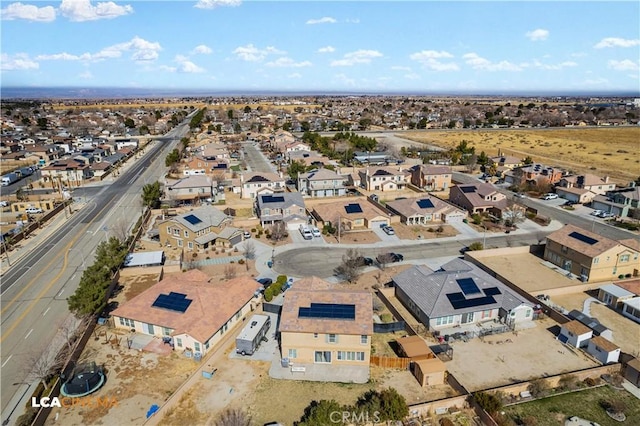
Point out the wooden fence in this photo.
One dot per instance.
(390, 362)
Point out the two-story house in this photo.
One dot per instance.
(588, 182)
(591, 256)
(533, 174)
(287, 207)
(383, 178)
(322, 325)
(478, 198)
(72, 171)
(322, 183)
(199, 229)
(431, 178)
(256, 183)
(189, 190)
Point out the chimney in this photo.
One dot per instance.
(606, 179)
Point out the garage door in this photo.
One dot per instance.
(236, 239)
(294, 225)
(376, 223)
(455, 218)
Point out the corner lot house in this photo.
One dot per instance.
(575, 333)
(603, 350)
(458, 293)
(353, 213)
(591, 256)
(425, 211)
(322, 325)
(287, 207)
(189, 308)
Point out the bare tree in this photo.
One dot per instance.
(48, 363)
(472, 162)
(278, 231)
(233, 417)
(384, 259)
(120, 230)
(351, 266)
(249, 250)
(229, 272)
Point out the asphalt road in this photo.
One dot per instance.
(35, 289)
(255, 159)
(22, 183)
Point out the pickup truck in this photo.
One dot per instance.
(306, 233)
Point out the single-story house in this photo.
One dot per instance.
(613, 295)
(426, 210)
(353, 213)
(631, 309)
(576, 195)
(603, 350)
(575, 333)
(189, 308)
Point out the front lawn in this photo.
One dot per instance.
(553, 411)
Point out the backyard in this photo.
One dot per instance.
(554, 410)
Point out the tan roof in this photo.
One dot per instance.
(633, 286)
(634, 363)
(602, 244)
(572, 190)
(410, 207)
(212, 303)
(576, 327)
(431, 365)
(632, 243)
(329, 212)
(415, 347)
(429, 169)
(604, 344)
(316, 290)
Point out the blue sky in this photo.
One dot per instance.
(381, 46)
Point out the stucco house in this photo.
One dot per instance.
(590, 182)
(631, 309)
(592, 256)
(190, 308)
(352, 213)
(287, 207)
(431, 178)
(190, 189)
(384, 178)
(479, 198)
(256, 183)
(575, 333)
(426, 210)
(577, 195)
(613, 295)
(323, 325)
(322, 183)
(457, 294)
(533, 174)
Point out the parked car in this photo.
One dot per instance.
(464, 249)
(306, 232)
(569, 203)
(246, 234)
(519, 195)
(4, 203)
(266, 282)
(316, 232)
(606, 214)
(34, 210)
(364, 261)
(389, 230)
(394, 257)
(596, 213)
(550, 196)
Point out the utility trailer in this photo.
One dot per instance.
(252, 334)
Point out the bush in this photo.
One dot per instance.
(476, 246)
(476, 218)
(489, 402)
(27, 418)
(253, 230)
(446, 422)
(538, 387)
(386, 317)
(241, 262)
(567, 382)
(591, 381)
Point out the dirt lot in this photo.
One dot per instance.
(602, 151)
(626, 333)
(508, 358)
(405, 232)
(527, 272)
(353, 237)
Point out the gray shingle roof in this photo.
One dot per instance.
(206, 216)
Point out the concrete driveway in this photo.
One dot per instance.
(267, 350)
(383, 235)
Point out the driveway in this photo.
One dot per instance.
(267, 350)
(383, 235)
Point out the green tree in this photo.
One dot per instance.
(42, 123)
(247, 109)
(26, 121)
(128, 122)
(388, 403)
(305, 126)
(365, 123)
(151, 194)
(295, 168)
(482, 158)
(528, 160)
(143, 130)
(158, 114)
(489, 402)
(172, 158)
(318, 413)
(230, 114)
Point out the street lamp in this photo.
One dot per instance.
(484, 237)
(6, 421)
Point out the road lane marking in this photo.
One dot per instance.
(3, 364)
(61, 291)
(45, 312)
(29, 333)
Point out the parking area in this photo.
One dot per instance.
(384, 236)
(297, 237)
(267, 350)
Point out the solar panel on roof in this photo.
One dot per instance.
(468, 286)
(456, 296)
(425, 204)
(192, 219)
(492, 291)
(272, 199)
(468, 189)
(353, 208)
(258, 179)
(177, 302)
(328, 311)
(581, 237)
(469, 303)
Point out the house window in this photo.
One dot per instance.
(322, 357)
(528, 314)
(169, 230)
(364, 339)
(176, 232)
(486, 314)
(190, 245)
(315, 335)
(293, 353)
(238, 315)
(196, 346)
(595, 260)
(166, 331)
(444, 320)
(186, 234)
(564, 249)
(179, 243)
(332, 338)
(178, 342)
(360, 356)
(206, 345)
(127, 322)
(624, 258)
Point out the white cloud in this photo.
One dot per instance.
(578, 55)
(479, 63)
(412, 76)
(202, 49)
(285, 62)
(294, 75)
(352, 21)
(86, 75)
(342, 78)
(168, 68)
(212, 4)
(357, 57)
(250, 53)
(324, 20)
(20, 61)
(624, 65)
(83, 10)
(28, 12)
(327, 49)
(554, 67)
(616, 42)
(429, 59)
(599, 81)
(399, 68)
(537, 35)
(142, 51)
(186, 66)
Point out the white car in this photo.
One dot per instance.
(550, 196)
(34, 210)
(316, 232)
(388, 230)
(596, 213)
(4, 203)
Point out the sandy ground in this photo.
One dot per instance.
(353, 237)
(626, 333)
(414, 232)
(508, 358)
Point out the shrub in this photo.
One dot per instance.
(476, 218)
(489, 402)
(591, 381)
(282, 279)
(476, 246)
(386, 317)
(240, 262)
(567, 382)
(538, 387)
(446, 422)
(253, 230)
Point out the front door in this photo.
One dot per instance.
(467, 318)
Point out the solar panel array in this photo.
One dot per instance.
(353, 208)
(425, 204)
(458, 301)
(177, 302)
(468, 286)
(468, 189)
(492, 291)
(581, 237)
(258, 178)
(272, 199)
(328, 311)
(192, 219)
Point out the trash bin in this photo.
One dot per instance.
(285, 362)
(269, 263)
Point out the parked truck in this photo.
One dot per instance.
(25, 171)
(10, 178)
(252, 334)
(306, 232)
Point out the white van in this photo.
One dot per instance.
(306, 233)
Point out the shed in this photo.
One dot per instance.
(631, 309)
(595, 325)
(603, 350)
(632, 372)
(429, 371)
(414, 347)
(575, 333)
(148, 258)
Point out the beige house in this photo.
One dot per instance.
(258, 183)
(190, 308)
(505, 161)
(589, 182)
(384, 178)
(479, 198)
(321, 324)
(425, 211)
(190, 189)
(431, 178)
(72, 172)
(352, 213)
(591, 256)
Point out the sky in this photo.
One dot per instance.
(332, 46)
